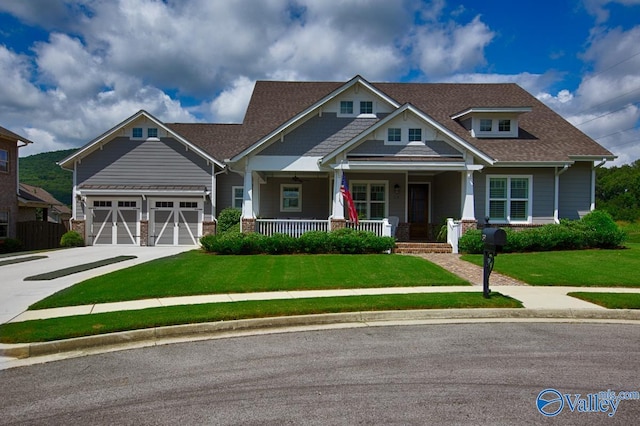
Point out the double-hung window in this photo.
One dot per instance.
(4, 224)
(4, 160)
(291, 198)
(136, 132)
(152, 132)
(346, 107)
(366, 107)
(415, 135)
(370, 199)
(237, 193)
(509, 198)
(394, 134)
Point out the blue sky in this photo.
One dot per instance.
(74, 68)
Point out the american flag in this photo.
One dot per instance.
(346, 195)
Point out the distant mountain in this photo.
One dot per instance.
(41, 170)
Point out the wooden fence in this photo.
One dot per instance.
(38, 235)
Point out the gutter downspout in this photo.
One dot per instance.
(592, 207)
(556, 201)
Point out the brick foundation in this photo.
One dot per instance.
(144, 232)
(80, 227)
(403, 231)
(467, 225)
(248, 226)
(209, 228)
(338, 224)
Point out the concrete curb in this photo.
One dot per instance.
(210, 330)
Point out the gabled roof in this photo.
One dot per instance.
(33, 196)
(422, 116)
(8, 134)
(276, 106)
(109, 134)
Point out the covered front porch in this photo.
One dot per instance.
(412, 206)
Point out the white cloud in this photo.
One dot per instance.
(231, 104)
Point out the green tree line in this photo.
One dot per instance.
(42, 171)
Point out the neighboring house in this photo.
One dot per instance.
(9, 145)
(36, 204)
(413, 155)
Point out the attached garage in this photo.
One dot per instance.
(114, 222)
(175, 221)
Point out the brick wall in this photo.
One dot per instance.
(9, 186)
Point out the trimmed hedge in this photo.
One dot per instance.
(10, 245)
(229, 220)
(71, 239)
(595, 230)
(343, 241)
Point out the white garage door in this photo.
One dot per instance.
(115, 222)
(175, 222)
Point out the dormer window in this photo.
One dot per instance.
(486, 125)
(394, 135)
(152, 132)
(489, 122)
(366, 107)
(415, 135)
(136, 132)
(346, 107)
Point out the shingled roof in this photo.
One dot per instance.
(544, 135)
(8, 134)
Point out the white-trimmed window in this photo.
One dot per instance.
(509, 199)
(415, 135)
(237, 195)
(370, 199)
(4, 224)
(136, 132)
(152, 132)
(164, 204)
(127, 204)
(291, 198)
(504, 125)
(346, 107)
(394, 134)
(101, 203)
(4, 160)
(366, 107)
(486, 125)
(188, 204)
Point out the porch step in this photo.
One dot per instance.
(419, 248)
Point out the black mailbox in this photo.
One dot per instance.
(494, 237)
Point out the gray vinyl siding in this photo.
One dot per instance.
(316, 199)
(446, 196)
(319, 135)
(575, 191)
(543, 191)
(130, 162)
(434, 148)
(225, 183)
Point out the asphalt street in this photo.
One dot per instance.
(435, 374)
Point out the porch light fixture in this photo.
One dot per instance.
(396, 189)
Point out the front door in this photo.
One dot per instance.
(419, 211)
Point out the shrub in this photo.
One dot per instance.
(595, 230)
(71, 239)
(228, 220)
(10, 245)
(315, 242)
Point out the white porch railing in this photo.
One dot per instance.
(292, 227)
(454, 232)
(297, 227)
(381, 228)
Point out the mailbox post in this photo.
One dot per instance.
(493, 239)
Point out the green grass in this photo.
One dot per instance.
(196, 272)
(632, 230)
(86, 325)
(581, 268)
(79, 268)
(611, 300)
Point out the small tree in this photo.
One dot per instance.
(229, 219)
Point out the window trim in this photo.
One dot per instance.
(368, 201)
(234, 198)
(366, 112)
(284, 209)
(133, 133)
(152, 130)
(5, 224)
(345, 114)
(400, 134)
(6, 168)
(509, 199)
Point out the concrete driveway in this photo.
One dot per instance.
(16, 295)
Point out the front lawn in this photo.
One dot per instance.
(610, 300)
(87, 325)
(581, 268)
(196, 272)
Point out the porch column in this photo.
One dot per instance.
(338, 205)
(247, 198)
(468, 208)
